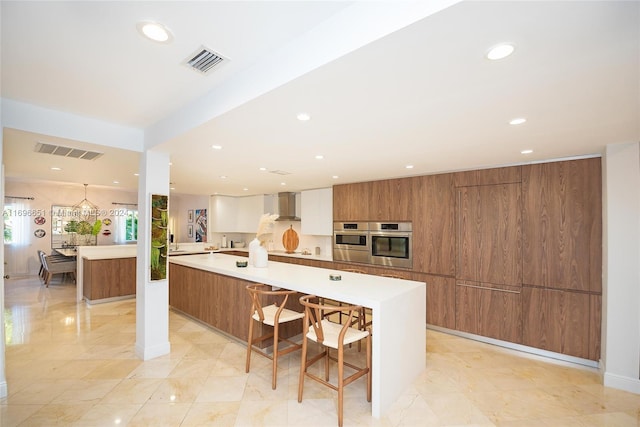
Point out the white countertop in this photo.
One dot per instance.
(107, 252)
(361, 289)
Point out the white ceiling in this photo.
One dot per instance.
(423, 95)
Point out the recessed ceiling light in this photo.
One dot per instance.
(217, 147)
(303, 117)
(172, 188)
(319, 157)
(500, 51)
(136, 174)
(518, 121)
(409, 167)
(283, 183)
(526, 152)
(55, 168)
(116, 182)
(245, 189)
(335, 177)
(223, 177)
(155, 31)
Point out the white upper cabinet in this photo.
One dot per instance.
(223, 214)
(238, 214)
(317, 212)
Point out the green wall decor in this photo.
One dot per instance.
(159, 236)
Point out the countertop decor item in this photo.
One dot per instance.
(258, 256)
(290, 240)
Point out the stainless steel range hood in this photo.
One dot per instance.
(287, 207)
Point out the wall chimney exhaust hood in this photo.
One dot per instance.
(287, 207)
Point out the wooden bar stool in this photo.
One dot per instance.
(272, 315)
(332, 336)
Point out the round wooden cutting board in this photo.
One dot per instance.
(290, 240)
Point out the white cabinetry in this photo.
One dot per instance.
(317, 212)
(238, 214)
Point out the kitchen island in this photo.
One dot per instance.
(398, 306)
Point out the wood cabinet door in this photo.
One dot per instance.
(391, 200)
(562, 225)
(489, 237)
(351, 202)
(127, 275)
(433, 225)
(494, 313)
(441, 299)
(558, 320)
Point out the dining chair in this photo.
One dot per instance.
(272, 315)
(330, 335)
(52, 258)
(52, 265)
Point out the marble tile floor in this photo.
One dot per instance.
(70, 364)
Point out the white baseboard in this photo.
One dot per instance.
(147, 353)
(622, 383)
(4, 390)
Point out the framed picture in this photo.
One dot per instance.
(201, 225)
(190, 231)
(190, 215)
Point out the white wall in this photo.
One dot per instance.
(621, 267)
(21, 259)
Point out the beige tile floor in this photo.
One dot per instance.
(74, 365)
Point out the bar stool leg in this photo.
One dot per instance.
(249, 344)
(340, 384)
(275, 356)
(303, 364)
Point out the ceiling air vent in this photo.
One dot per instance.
(59, 150)
(203, 60)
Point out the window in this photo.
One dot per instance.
(18, 218)
(131, 226)
(8, 224)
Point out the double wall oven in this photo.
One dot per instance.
(379, 243)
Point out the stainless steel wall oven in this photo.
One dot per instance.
(351, 242)
(391, 244)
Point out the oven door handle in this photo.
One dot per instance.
(390, 233)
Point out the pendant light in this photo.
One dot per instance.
(85, 207)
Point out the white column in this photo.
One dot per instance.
(621, 267)
(152, 297)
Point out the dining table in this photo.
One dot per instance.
(68, 252)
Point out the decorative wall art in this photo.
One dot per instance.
(39, 233)
(159, 222)
(39, 220)
(190, 215)
(190, 231)
(201, 225)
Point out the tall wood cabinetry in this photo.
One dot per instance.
(489, 253)
(562, 263)
(434, 240)
(509, 253)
